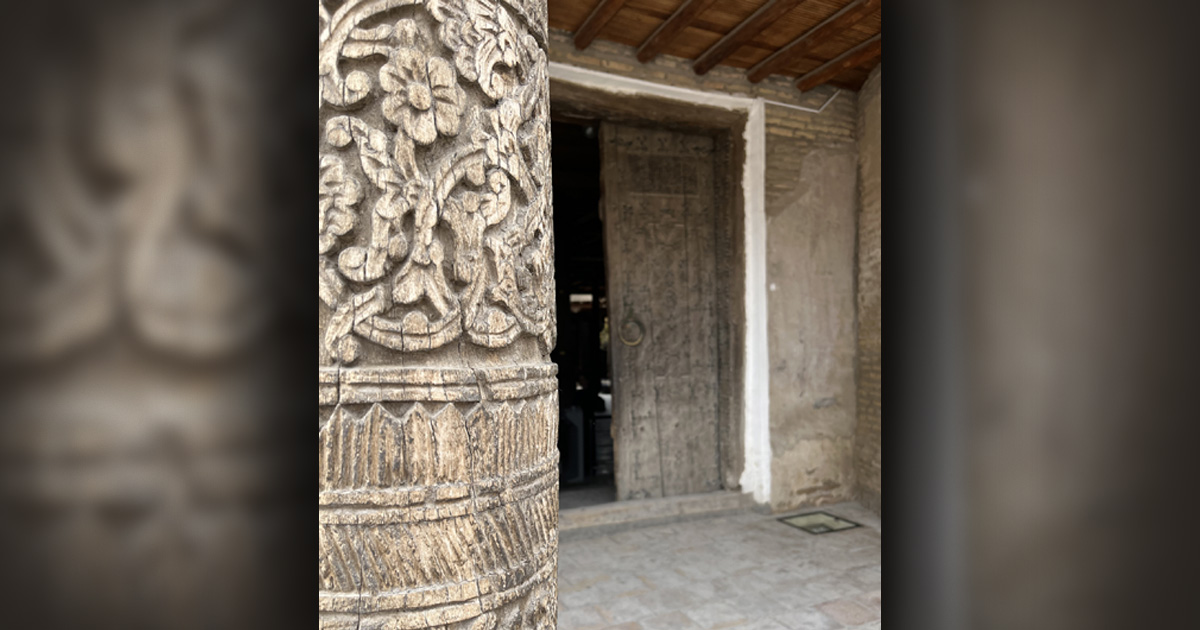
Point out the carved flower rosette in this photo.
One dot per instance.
(433, 212)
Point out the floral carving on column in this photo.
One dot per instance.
(434, 177)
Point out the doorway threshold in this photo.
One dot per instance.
(619, 515)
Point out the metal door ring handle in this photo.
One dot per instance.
(630, 328)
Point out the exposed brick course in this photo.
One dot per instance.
(869, 432)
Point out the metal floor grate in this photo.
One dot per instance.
(819, 522)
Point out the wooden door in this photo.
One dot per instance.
(660, 245)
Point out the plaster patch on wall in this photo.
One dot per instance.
(821, 471)
(825, 402)
(810, 253)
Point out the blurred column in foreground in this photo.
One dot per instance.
(147, 430)
(438, 403)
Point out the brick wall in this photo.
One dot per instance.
(614, 58)
(811, 200)
(869, 432)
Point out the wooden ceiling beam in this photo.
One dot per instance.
(846, 85)
(850, 15)
(671, 28)
(860, 54)
(596, 20)
(743, 33)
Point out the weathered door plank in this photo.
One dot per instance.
(660, 240)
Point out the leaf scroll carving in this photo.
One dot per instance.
(434, 177)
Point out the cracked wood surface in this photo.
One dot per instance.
(660, 234)
(437, 405)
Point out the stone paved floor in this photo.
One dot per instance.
(593, 493)
(747, 571)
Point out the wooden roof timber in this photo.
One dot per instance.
(671, 28)
(860, 54)
(688, 28)
(817, 35)
(604, 11)
(743, 33)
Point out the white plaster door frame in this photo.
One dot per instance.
(756, 438)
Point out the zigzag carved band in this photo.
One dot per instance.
(437, 452)
(435, 513)
(503, 606)
(472, 597)
(461, 566)
(377, 507)
(409, 384)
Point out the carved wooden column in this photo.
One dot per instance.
(438, 404)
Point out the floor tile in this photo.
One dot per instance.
(743, 571)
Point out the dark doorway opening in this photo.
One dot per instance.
(585, 397)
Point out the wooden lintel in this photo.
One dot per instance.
(671, 28)
(742, 34)
(860, 54)
(604, 11)
(850, 15)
